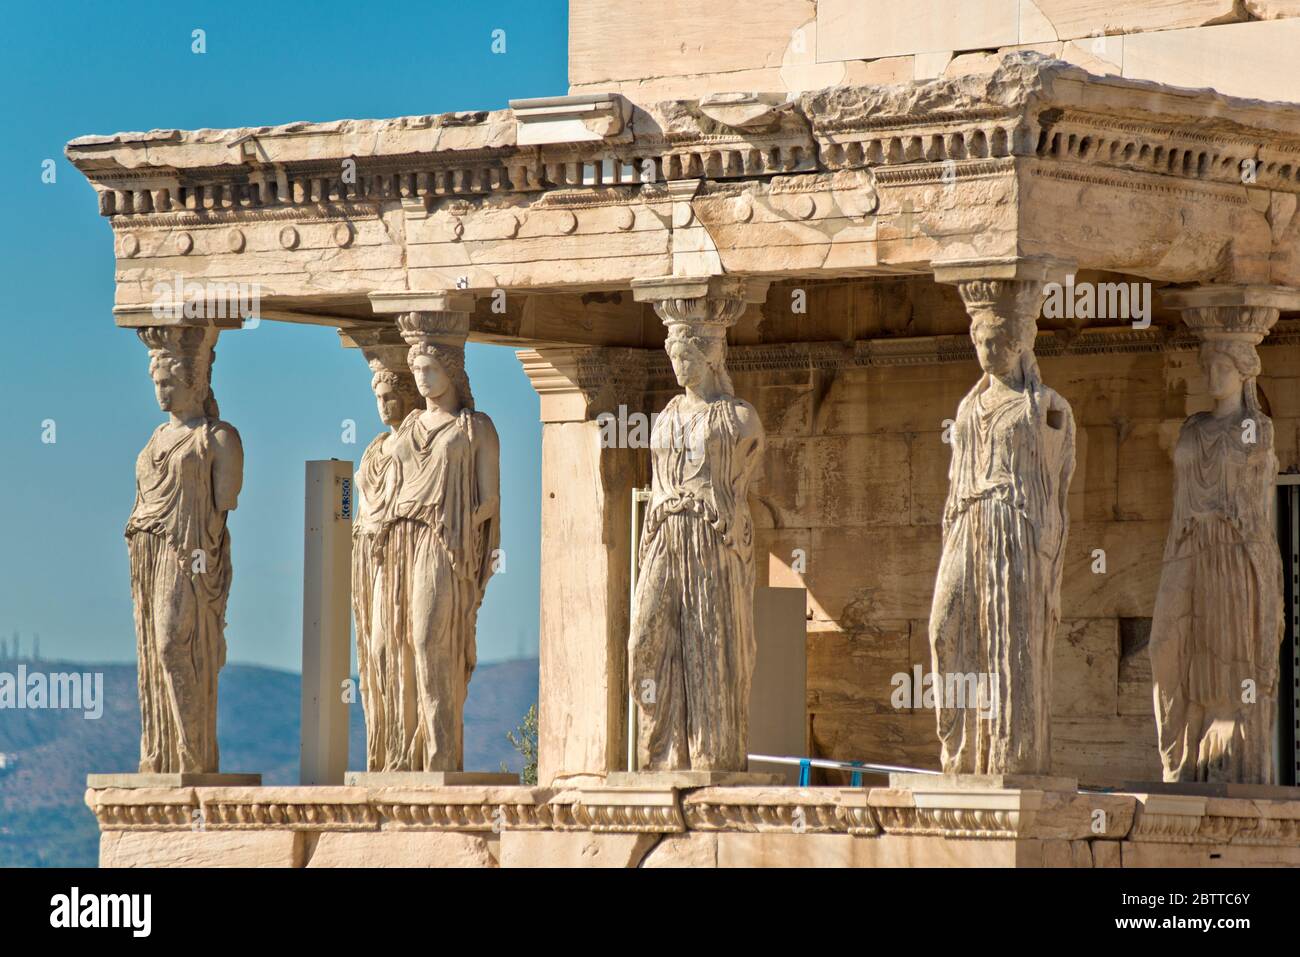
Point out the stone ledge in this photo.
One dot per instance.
(670, 827)
(1193, 819)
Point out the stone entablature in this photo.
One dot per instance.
(1056, 112)
(851, 181)
(1017, 827)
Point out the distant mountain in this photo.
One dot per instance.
(47, 754)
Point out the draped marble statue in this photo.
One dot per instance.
(436, 538)
(997, 595)
(1217, 626)
(381, 659)
(692, 644)
(187, 478)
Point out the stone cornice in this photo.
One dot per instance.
(1030, 106)
(1181, 819)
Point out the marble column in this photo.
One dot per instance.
(996, 602)
(587, 482)
(188, 478)
(1217, 625)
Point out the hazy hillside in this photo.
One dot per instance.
(44, 821)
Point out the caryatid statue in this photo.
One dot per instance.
(437, 544)
(997, 595)
(692, 644)
(187, 478)
(1218, 624)
(381, 657)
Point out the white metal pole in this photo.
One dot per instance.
(326, 620)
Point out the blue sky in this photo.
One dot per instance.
(103, 68)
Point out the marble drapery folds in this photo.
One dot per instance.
(187, 479)
(1218, 620)
(692, 644)
(432, 530)
(380, 657)
(996, 603)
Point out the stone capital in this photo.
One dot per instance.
(375, 335)
(217, 314)
(434, 327)
(383, 347)
(1249, 296)
(189, 344)
(663, 288)
(434, 300)
(578, 383)
(1232, 312)
(1031, 269)
(705, 301)
(1005, 287)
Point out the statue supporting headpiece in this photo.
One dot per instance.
(1218, 619)
(188, 478)
(692, 646)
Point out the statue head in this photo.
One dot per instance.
(395, 392)
(1004, 325)
(698, 353)
(1230, 363)
(437, 355)
(1001, 341)
(180, 364)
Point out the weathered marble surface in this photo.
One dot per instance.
(434, 548)
(997, 594)
(1218, 625)
(692, 645)
(702, 827)
(380, 654)
(187, 479)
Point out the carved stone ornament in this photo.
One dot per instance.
(432, 529)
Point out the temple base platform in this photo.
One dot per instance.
(927, 825)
